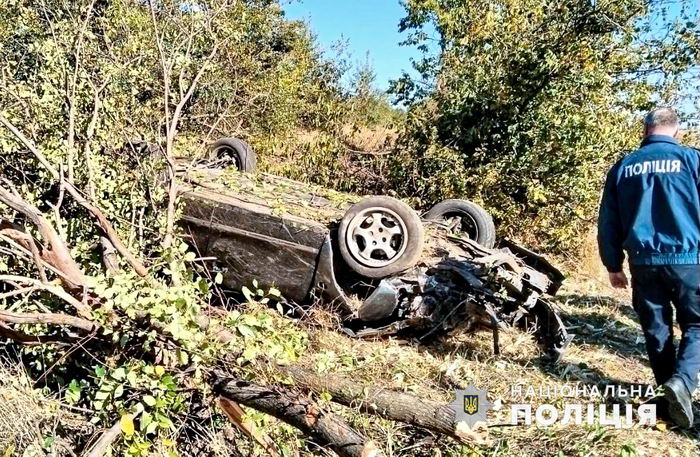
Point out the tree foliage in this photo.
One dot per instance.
(522, 104)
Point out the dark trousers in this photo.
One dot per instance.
(654, 290)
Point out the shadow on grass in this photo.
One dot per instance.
(598, 328)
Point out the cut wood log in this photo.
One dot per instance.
(326, 428)
(398, 406)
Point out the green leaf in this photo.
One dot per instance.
(102, 394)
(132, 378)
(145, 420)
(149, 400)
(152, 427)
(247, 294)
(245, 331)
(119, 374)
(48, 442)
(219, 278)
(119, 391)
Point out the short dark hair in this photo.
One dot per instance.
(661, 117)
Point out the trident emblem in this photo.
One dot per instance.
(471, 404)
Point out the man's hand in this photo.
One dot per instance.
(618, 280)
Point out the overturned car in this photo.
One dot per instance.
(385, 268)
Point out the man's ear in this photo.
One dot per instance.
(678, 130)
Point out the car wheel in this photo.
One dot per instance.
(466, 219)
(227, 152)
(380, 236)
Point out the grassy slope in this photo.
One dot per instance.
(608, 349)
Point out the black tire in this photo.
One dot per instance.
(394, 226)
(475, 223)
(232, 151)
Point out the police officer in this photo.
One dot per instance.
(651, 210)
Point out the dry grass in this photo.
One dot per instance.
(32, 424)
(23, 412)
(21, 409)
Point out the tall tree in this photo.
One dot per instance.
(522, 104)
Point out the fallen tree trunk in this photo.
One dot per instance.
(397, 406)
(327, 428)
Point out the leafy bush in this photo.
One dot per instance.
(522, 104)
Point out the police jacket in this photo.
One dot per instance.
(651, 206)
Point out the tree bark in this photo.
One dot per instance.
(59, 253)
(327, 428)
(397, 406)
(47, 318)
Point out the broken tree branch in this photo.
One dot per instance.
(397, 406)
(61, 254)
(32, 340)
(83, 309)
(236, 415)
(47, 318)
(327, 428)
(99, 449)
(102, 221)
(20, 247)
(36, 255)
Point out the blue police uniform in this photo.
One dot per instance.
(651, 211)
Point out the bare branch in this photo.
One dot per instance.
(102, 221)
(29, 145)
(20, 247)
(236, 415)
(82, 308)
(25, 338)
(47, 318)
(170, 145)
(101, 446)
(64, 260)
(71, 96)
